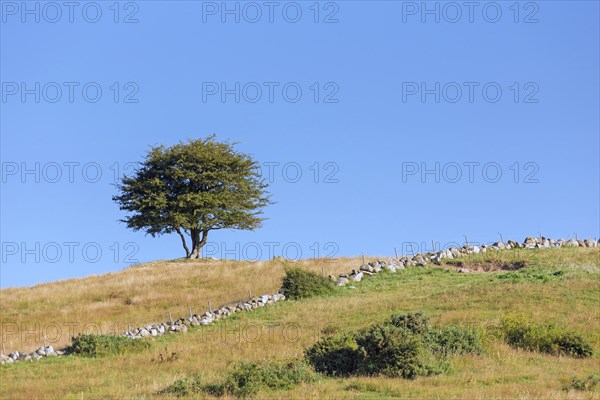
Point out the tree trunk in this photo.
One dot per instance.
(198, 242)
(187, 250)
(195, 234)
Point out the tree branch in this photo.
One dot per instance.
(187, 250)
(204, 238)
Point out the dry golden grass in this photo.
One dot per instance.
(285, 330)
(137, 295)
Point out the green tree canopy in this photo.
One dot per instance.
(192, 188)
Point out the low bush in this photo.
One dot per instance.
(247, 378)
(404, 346)
(335, 355)
(179, 388)
(543, 338)
(396, 352)
(92, 345)
(454, 340)
(214, 389)
(299, 284)
(184, 387)
(590, 382)
(416, 323)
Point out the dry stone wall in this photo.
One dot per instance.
(423, 259)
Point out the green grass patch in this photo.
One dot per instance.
(103, 345)
(363, 387)
(527, 275)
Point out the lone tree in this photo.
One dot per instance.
(192, 188)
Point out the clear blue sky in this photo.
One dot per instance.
(372, 129)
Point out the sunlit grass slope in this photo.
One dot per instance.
(559, 286)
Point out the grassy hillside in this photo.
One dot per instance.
(142, 294)
(559, 286)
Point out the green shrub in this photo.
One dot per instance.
(403, 346)
(246, 379)
(551, 339)
(396, 352)
(184, 387)
(330, 330)
(454, 340)
(92, 345)
(572, 344)
(588, 383)
(249, 377)
(299, 284)
(179, 388)
(416, 323)
(335, 355)
(214, 389)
